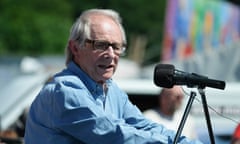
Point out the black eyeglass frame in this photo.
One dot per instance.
(102, 45)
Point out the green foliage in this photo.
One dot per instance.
(34, 27)
(141, 16)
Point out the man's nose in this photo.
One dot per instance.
(110, 51)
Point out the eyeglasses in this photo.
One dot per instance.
(100, 45)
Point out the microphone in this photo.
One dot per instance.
(166, 76)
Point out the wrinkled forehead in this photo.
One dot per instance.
(106, 28)
(98, 18)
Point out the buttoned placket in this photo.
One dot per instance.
(101, 96)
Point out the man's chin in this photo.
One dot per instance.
(107, 76)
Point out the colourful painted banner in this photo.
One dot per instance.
(195, 26)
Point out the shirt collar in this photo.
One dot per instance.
(91, 85)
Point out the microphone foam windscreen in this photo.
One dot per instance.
(163, 75)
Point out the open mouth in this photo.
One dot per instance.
(105, 67)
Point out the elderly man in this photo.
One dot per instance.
(82, 104)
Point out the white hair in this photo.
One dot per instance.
(80, 30)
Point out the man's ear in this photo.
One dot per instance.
(73, 46)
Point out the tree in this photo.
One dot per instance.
(42, 26)
(34, 27)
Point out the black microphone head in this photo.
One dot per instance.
(163, 75)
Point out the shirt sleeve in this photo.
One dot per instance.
(134, 117)
(75, 113)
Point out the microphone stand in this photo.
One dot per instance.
(187, 111)
(207, 117)
(184, 118)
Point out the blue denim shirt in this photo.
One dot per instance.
(74, 109)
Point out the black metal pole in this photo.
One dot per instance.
(207, 117)
(184, 118)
